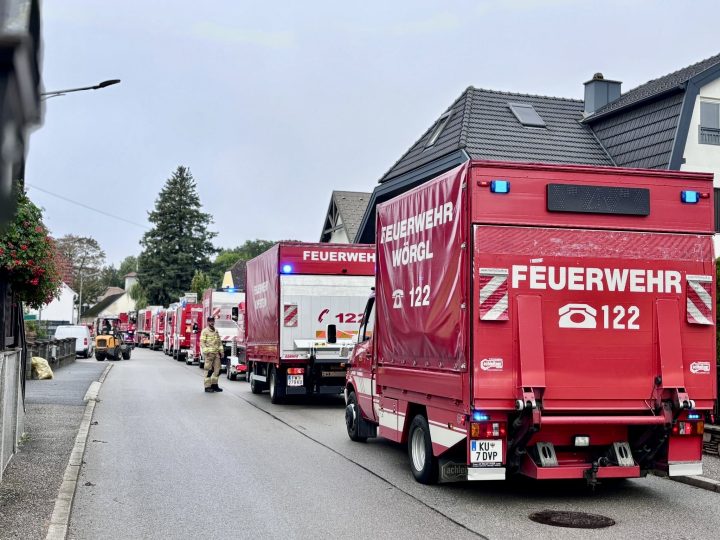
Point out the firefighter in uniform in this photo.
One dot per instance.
(211, 347)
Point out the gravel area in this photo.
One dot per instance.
(711, 467)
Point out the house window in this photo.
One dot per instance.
(439, 126)
(709, 123)
(526, 115)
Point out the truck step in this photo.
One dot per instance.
(546, 454)
(623, 454)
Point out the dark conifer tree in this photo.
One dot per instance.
(179, 242)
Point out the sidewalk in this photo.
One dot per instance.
(31, 482)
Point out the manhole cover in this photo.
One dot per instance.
(576, 520)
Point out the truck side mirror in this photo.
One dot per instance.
(331, 333)
(235, 314)
(195, 328)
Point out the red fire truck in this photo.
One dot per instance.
(223, 305)
(303, 305)
(183, 329)
(127, 327)
(551, 321)
(237, 361)
(198, 323)
(169, 329)
(157, 329)
(144, 326)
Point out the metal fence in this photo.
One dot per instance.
(58, 352)
(12, 414)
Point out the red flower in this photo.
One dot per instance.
(39, 228)
(30, 262)
(34, 281)
(23, 247)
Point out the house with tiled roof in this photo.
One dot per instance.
(343, 217)
(113, 302)
(672, 122)
(234, 277)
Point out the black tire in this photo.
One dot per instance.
(126, 355)
(99, 356)
(353, 418)
(423, 463)
(276, 387)
(255, 386)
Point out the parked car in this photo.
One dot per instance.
(83, 341)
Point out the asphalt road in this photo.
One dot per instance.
(166, 460)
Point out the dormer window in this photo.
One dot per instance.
(527, 115)
(439, 127)
(709, 122)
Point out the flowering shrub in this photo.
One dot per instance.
(28, 258)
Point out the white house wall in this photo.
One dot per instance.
(339, 235)
(703, 157)
(60, 309)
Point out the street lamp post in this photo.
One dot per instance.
(55, 93)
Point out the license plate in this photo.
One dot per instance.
(294, 380)
(486, 452)
(333, 374)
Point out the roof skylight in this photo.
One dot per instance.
(527, 115)
(439, 126)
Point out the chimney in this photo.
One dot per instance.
(130, 280)
(599, 92)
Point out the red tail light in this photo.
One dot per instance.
(295, 371)
(85, 341)
(688, 428)
(488, 430)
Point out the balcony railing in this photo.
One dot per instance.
(709, 135)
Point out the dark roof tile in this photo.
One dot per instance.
(658, 86)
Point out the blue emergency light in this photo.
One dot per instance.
(693, 416)
(479, 416)
(500, 186)
(287, 269)
(690, 197)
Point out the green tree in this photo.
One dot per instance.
(128, 264)
(110, 277)
(179, 242)
(86, 259)
(200, 283)
(227, 257)
(137, 293)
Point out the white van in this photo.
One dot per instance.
(84, 345)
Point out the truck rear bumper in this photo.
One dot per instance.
(575, 471)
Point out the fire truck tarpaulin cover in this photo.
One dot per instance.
(421, 268)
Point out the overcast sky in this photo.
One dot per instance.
(273, 105)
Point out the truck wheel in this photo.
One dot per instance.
(353, 419)
(277, 389)
(99, 356)
(126, 355)
(423, 463)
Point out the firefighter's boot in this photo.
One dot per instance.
(216, 388)
(209, 389)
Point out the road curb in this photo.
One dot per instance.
(699, 481)
(60, 519)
